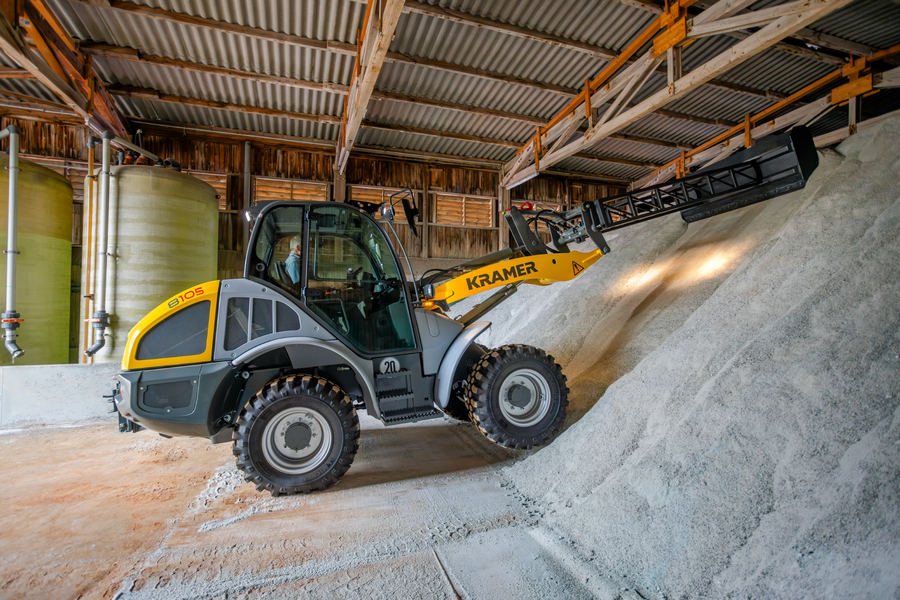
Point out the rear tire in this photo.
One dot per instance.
(517, 396)
(299, 434)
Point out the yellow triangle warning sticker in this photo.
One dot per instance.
(577, 268)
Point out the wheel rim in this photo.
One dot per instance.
(297, 440)
(525, 397)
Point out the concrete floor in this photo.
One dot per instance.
(423, 513)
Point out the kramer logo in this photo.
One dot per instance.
(501, 275)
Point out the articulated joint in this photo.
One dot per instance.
(10, 322)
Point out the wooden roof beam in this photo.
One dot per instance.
(377, 34)
(132, 55)
(151, 94)
(764, 38)
(12, 44)
(346, 49)
(456, 16)
(805, 35)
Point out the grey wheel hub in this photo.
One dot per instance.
(525, 397)
(297, 440)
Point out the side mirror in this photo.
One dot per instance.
(409, 208)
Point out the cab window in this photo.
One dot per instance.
(354, 282)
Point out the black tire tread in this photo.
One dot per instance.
(281, 388)
(486, 371)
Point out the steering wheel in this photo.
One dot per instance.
(387, 296)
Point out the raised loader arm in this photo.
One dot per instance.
(774, 166)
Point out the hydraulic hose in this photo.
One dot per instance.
(11, 318)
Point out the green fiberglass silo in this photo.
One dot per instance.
(163, 239)
(44, 263)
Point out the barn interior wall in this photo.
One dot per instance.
(63, 147)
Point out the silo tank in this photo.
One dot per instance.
(163, 236)
(44, 263)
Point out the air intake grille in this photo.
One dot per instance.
(176, 394)
(182, 334)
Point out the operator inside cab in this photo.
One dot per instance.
(293, 263)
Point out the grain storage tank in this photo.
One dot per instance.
(44, 264)
(163, 236)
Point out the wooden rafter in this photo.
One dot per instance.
(676, 33)
(59, 65)
(151, 94)
(346, 49)
(12, 44)
(805, 35)
(132, 55)
(456, 16)
(734, 136)
(377, 33)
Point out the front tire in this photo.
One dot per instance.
(299, 434)
(517, 396)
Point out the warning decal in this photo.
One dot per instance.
(577, 268)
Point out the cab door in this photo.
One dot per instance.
(354, 283)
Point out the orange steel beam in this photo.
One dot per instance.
(765, 114)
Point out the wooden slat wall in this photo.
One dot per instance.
(271, 188)
(218, 181)
(220, 162)
(462, 242)
(49, 139)
(463, 210)
(198, 155)
(291, 164)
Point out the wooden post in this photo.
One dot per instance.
(340, 187)
(248, 187)
(503, 203)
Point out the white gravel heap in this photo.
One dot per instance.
(746, 440)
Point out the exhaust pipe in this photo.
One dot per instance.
(100, 318)
(11, 319)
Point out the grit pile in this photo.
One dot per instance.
(746, 440)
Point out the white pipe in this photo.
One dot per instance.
(11, 318)
(100, 318)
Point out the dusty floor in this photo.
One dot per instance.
(423, 513)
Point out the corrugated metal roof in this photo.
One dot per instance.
(214, 87)
(583, 165)
(872, 22)
(429, 117)
(426, 143)
(201, 115)
(606, 23)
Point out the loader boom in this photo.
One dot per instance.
(775, 166)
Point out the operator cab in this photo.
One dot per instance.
(349, 278)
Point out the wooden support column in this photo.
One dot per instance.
(503, 203)
(340, 187)
(377, 33)
(248, 192)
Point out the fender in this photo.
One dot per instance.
(307, 352)
(454, 353)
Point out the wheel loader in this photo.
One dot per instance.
(280, 361)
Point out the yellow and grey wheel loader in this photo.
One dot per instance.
(325, 323)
